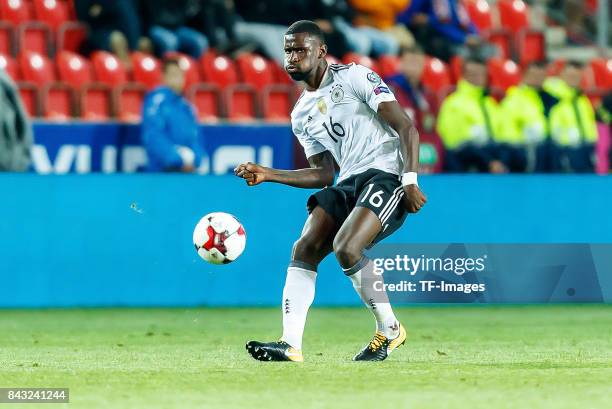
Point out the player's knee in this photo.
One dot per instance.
(307, 249)
(347, 253)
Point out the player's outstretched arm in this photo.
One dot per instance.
(320, 174)
(394, 115)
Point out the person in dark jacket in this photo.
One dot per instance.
(167, 23)
(114, 25)
(170, 132)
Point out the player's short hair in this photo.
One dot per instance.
(538, 64)
(413, 49)
(306, 26)
(574, 64)
(167, 62)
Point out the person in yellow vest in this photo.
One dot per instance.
(573, 129)
(468, 123)
(526, 109)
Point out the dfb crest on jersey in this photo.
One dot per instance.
(373, 77)
(322, 106)
(337, 93)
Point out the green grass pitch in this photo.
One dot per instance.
(455, 357)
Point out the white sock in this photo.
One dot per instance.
(298, 295)
(376, 301)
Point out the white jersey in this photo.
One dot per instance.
(341, 117)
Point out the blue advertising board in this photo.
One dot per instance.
(113, 147)
(126, 240)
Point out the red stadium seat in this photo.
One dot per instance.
(255, 70)
(456, 67)
(29, 97)
(52, 12)
(240, 102)
(280, 75)
(480, 14)
(206, 99)
(146, 69)
(188, 65)
(36, 68)
(503, 73)
(128, 102)
(71, 36)
(555, 68)
(7, 39)
(436, 75)
(602, 72)
(531, 46)
(360, 59)
(276, 103)
(502, 39)
(34, 36)
(73, 69)
(15, 11)
(388, 65)
(513, 15)
(108, 69)
(219, 69)
(8, 64)
(95, 103)
(57, 102)
(332, 60)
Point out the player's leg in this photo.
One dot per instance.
(313, 245)
(356, 234)
(377, 214)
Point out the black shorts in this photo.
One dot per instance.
(379, 191)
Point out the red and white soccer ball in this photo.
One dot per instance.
(219, 238)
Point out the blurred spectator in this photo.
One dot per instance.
(167, 24)
(170, 131)
(572, 122)
(419, 105)
(265, 22)
(15, 128)
(374, 23)
(526, 109)
(218, 21)
(468, 124)
(114, 25)
(443, 28)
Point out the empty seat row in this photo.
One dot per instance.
(50, 12)
(40, 38)
(513, 37)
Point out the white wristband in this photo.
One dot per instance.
(409, 178)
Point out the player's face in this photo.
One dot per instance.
(302, 55)
(572, 75)
(475, 74)
(174, 78)
(412, 66)
(535, 76)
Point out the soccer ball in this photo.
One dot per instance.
(219, 238)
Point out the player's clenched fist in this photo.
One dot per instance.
(414, 199)
(251, 172)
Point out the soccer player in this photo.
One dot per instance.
(346, 114)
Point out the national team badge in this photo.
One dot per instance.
(322, 106)
(373, 77)
(337, 94)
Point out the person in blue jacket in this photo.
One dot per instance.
(444, 29)
(170, 131)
